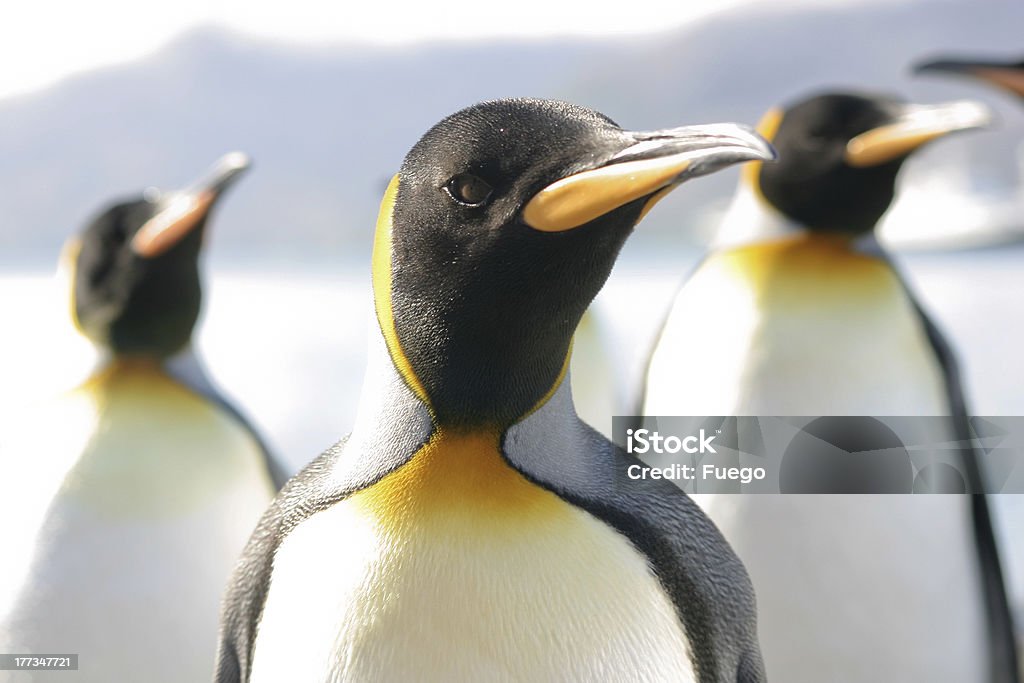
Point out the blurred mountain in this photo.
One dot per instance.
(328, 127)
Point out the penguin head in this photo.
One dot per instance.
(1008, 75)
(136, 288)
(500, 228)
(840, 153)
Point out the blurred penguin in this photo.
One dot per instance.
(1007, 75)
(801, 313)
(142, 484)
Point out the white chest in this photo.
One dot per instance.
(466, 595)
(794, 339)
(850, 588)
(142, 495)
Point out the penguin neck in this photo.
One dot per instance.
(393, 422)
(184, 366)
(489, 387)
(480, 387)
(751, 220)
(477, 362)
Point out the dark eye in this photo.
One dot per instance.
(468, 189)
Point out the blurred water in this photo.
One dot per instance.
(288, 343)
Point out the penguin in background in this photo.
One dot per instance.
(806, 315)
(140, 486)
(1009, 76)
(471, 527)
(1004, 74)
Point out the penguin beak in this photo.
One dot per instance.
(654, 164)
(187, 209)
(912, 126)
(1004, 75)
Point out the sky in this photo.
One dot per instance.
(42, 42)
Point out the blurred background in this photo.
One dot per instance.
(100, 100)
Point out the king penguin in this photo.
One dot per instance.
(803, 314)
(155, 480)
(1009, 76)
(471, 527)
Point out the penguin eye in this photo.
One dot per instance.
(468, 189)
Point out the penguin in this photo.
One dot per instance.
(1009, 76)
(145, 481)
(1005, 74)
(471, 527)
(802, 313)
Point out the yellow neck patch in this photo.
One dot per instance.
(127, 369)
(807, 267)
(68, 268)
(459, 476)
(382, 292)
(768, 127)
(153, 448)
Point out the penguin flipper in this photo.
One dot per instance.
(1001, 641)
(706, 581)
(308, 492)
(1003, 659)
